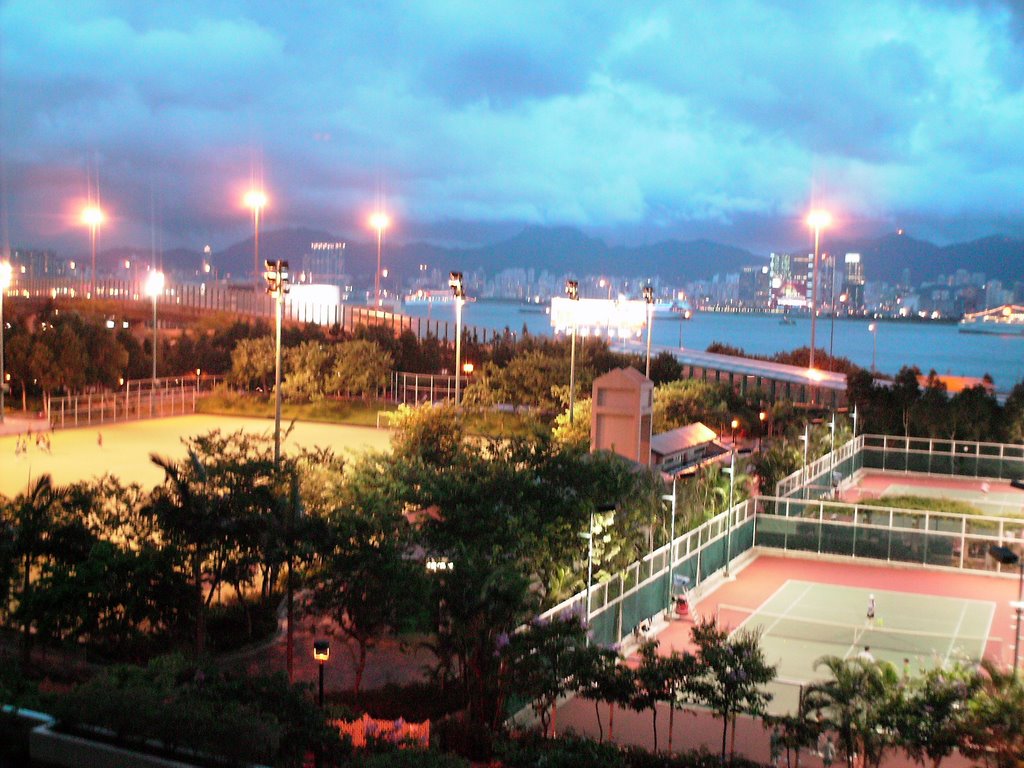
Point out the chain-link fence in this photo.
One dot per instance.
(140, 399)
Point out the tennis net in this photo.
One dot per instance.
(905, 641)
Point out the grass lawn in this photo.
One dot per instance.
(78, 455)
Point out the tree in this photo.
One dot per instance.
(363, 580)
(934, 712)
(427, 433)
(578, 432)
(308, 367)
(33, 514)
(542, 663)
(735, 671)
(361, 367)
(861, 697)
(600, 677)
(994, 727)
(252, 363)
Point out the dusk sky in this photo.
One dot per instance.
(633, 121)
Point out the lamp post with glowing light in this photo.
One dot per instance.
(154, 287)
(321, 652)
(817, 220)
(277, 278)
(92, 217)
(459, 294)
(380, 222)
(256, 199)
(761, 417)
(572, 290)
(648, 293)
(873, 327)
(5, 283)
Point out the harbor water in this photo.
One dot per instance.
(928, 345)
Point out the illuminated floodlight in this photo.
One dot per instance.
(819, 219)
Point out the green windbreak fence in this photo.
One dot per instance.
(644, 589)
(885, 533)
(943, 457)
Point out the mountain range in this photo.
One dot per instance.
(566, 250)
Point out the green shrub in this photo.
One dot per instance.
(927, 503)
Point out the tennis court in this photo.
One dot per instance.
(993, 497)
(803, 621)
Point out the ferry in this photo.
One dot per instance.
(422, 297)
(1007, 320)
(678, 308)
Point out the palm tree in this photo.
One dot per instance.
(859, 699)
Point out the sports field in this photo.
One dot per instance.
(992, 497)
(123, 449)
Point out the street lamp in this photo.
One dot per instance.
(459, 293)
(257, 200)
(5, 283)
(321, 652)
(734, 424)
(276, 276)
(817, 220)
(1007, 556)
(154, 287)
(648, 292)
(605, 509)
(572, 290)
(873, 327)
(760, 433)
(671, 540)
(92, 217)
(835, 312)
(728, 514)
(605, 282)
(380, 222)
(806, 437)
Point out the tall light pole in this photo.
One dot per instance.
(277, 278)
(832, 435)
(760, 432)
(321, 652)
(648, 292)
(256, 199)
(873, 327)
(572, 290)
(817, 220)
(380, 222)
(155, 287)
(671, 540)
(459, 293)
(5, 283)
(728, 515)
(92, 217)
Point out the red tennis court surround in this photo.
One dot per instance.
(754, 584)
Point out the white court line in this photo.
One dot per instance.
(956, 634)
(757, 610)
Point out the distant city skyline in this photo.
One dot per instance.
(636, 124)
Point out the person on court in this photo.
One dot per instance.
(871, 607)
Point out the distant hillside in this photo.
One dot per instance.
(563, 250)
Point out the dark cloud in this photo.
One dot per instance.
(644, 120)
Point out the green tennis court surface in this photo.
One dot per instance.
(804, 621)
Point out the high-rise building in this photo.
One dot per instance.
(325, 263)
(853, 286)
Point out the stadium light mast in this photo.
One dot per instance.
(648, 293)
(5, 283)
(459, 294)
(92, 217)
(256, 199)
(572, 290)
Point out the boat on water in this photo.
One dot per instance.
(786, 320)
(677, 308)
(1007, 320)
(422, 297)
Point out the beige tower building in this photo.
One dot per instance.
(621, 413)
